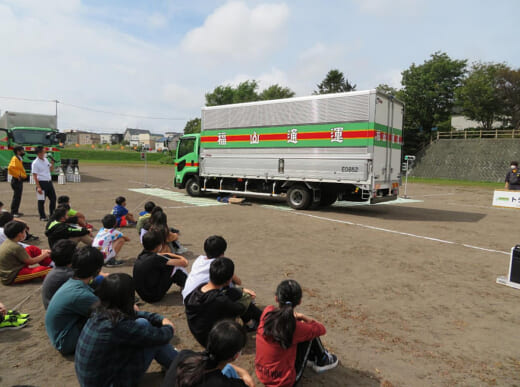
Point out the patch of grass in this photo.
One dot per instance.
(425, 180)
(113, 156)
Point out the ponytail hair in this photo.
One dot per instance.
(225, 340)
(280, 323)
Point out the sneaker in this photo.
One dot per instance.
(17, 314)
(181, 249)
(112, 262)
(44, 219)
(12, 322)
(17, 215)
(31, 237)
(327, 362)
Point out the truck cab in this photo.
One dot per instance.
(187, 164)
(29, 138)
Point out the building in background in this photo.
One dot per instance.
(132, 136)
(82, 137)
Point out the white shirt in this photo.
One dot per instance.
(42, 169)
(199, 274)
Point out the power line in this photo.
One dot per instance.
(123, 114)
(30, 99)
(95, 110)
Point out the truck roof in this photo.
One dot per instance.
(294, 99)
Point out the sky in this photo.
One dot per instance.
(148, 63)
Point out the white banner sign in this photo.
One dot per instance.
(505, 198)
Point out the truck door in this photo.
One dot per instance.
(187, 158)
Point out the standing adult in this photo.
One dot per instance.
(513, 177)
(17, 172)
(41, 171)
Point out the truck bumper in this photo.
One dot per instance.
(383, 199)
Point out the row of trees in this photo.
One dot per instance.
(432, 92)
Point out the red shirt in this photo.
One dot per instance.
(275, 365)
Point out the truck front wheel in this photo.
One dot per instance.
(193, 187)
(299, 197)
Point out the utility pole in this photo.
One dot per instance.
(56, 102)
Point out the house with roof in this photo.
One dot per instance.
(133, 136)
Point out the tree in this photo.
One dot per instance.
(384, 88)
(222, 95)
(334, 82)
(246, 92)
(276, 92)
(428, 91)
(479, 94)
(508, 85)
(192, 126)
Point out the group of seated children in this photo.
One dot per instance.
(93, 315)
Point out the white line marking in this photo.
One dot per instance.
(394, 232)
(442, 194)
(178, 197)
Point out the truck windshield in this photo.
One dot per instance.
(34, 137)
(186, 146)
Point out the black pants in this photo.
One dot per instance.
(313, 349)
(48, 188)
(252, 312)
(162, 285)
(17, 186)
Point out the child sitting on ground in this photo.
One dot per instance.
(58, 228)
(17, 264)
(61, 255)
(110, 241)
(123, 217)
(73, 216)
(287, 340)
(72, 304)
(213, 366)
(118, 343)
(154, 273)
(158, 222)
(144, 216)
(214, 246)
(215, 301)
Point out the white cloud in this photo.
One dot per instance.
(182, 96)
(235, 31)
(266, 79)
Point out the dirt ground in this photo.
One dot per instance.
(407, 291)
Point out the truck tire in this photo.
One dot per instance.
(299, 197)
(193, 187)
(328, 198)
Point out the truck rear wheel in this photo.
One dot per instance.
(193, 187)
(299, 197)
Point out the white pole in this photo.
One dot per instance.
(406, 180)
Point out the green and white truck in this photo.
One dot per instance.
(28, 130)
(311, 150)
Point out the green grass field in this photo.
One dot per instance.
(423, 180)
(113, 156)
